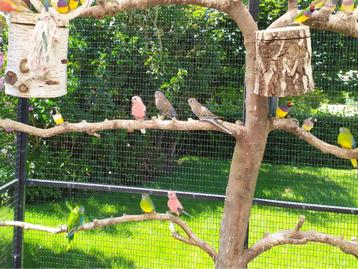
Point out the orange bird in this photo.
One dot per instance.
(12, 5)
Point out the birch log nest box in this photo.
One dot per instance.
(283, 62)
(20, 78)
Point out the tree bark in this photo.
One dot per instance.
(246, 161)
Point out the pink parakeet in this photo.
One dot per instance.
(282, 111)
(138, 110)
(205, 114)
(174, 204)
(347, 5)
(346, 141)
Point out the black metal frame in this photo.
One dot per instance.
(20, 177)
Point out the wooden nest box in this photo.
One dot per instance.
(20, 79)
(283, 62)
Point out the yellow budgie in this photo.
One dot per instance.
(146, 204)
(346, 141)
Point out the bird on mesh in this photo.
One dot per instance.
(146, 203)
(308, 124)
(164, 106)
(57, 117)
(138, 110)
(347, 6)
(346, 141)
(282, 111)
(205, 114)
(174, 204)
(74, 221)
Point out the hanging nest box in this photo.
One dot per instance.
(20, 79)
(37, 52)
(283, 62)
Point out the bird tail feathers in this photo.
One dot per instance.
(216, 123)
(186, 213)
(354, 163)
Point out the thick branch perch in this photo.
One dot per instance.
(110, 8)
(295, 236)
(291, 126)
(192, 239)
(92, 128)
(323, 19)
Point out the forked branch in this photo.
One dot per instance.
(191, 238)
(298, 237)
(323, 19)
(131, 125)
(111, 8)
(291, 126)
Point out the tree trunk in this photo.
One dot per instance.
(245, 166)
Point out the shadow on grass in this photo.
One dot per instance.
(38, 257)
(302, 186)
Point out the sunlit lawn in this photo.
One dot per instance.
(150, 245)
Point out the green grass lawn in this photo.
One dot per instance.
(150, 245)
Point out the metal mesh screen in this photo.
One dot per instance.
(185, 51)
(7, 176)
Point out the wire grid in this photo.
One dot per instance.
(7, 174)
(146, 244)
(7, 203)
(271, 219)
(185, 56)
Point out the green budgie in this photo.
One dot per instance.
(74, 221)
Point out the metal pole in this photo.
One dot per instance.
(20, 175)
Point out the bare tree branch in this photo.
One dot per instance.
(292, 126)
(110, 8)
(292, 5)
(130, 125)
(323, 19)
(191, 239)
(300, 238)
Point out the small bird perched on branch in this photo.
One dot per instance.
(146, 204)
(174, 204)
(74, 221)
(282, 111)
(164, 106)
(205, 114)
(346, 141)
(347, 6)
(138, 110)
(308, 124)
(57, 117)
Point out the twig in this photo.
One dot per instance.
(92, 128)
(295, 236)
(291, 126)
(192, 239)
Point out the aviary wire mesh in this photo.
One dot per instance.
(185, 51)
